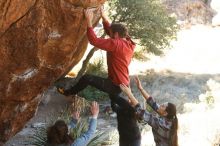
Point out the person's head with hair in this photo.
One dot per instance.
(118, 30)
(168, 110)
(58, 133)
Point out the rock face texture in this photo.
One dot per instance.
(40, 41)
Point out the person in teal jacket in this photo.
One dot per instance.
(57, 135)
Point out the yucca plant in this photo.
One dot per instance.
(39, 138)
(98, 139)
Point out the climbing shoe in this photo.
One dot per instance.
(60, 90)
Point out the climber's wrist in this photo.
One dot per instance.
(89, 23)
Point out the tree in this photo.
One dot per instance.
(147, 21)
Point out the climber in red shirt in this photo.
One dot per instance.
(119, 48)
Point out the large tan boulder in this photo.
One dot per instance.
(40, 41)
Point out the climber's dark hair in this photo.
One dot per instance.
(120, 28)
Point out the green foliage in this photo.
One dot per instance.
(97, 68)
(140, 55)
(210, 100)
(147, 21)
(91, 93)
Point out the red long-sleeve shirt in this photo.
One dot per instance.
(119, 54)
